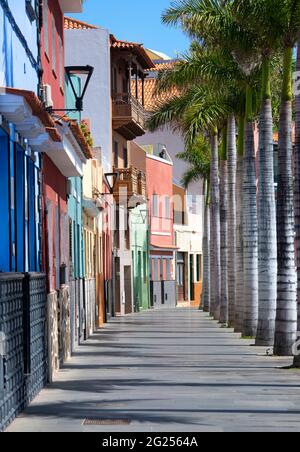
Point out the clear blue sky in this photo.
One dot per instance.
(136, 20)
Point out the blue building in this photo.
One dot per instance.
(25, 129)
(21, 136)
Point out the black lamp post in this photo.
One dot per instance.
(111, 180)
(78, 71)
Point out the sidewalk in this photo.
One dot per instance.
(168, 371)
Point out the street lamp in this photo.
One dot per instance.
(111, 180)
(79, 71)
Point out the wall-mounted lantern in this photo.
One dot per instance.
(79, 71)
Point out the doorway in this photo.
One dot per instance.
(181, 277)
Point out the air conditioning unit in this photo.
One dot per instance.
(47, 96)
(69, 188)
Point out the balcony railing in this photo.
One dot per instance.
(131, 183)
(128, 113)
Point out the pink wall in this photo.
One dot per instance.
(56, 223)
(160, 182)
(52, 55)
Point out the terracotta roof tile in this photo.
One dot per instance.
(74, 24)
(136, 48)
(151, 99)
(80, 138)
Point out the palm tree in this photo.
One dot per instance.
(287, 19)
(215, 25)
(198, 109)
(238, 309)
(297, 187)
(224, 227)
(256, 13)
(250, 226)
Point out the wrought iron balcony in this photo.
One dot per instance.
(128, 116)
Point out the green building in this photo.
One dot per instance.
(140, 257)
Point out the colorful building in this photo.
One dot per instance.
(63, 247)
(188, 235)
(129, 63)
(159, 176)
(86, 44)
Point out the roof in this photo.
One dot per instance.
(136, 48)
(37, 110)
(152, 99)
(155, 55)
(80, 138)
(74, 24)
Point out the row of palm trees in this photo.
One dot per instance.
(220, 92)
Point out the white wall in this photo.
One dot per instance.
(92, 47)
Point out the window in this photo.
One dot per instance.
(61, 63)
(167, 207)
(54, 34)
(46, 26)
(199, 267)
(145, 266)
(20, 208)
(125, 157)
(155, 206)
(114, 80)
(168, 275)
(4, 204)
(116, 154)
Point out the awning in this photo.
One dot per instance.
(63, 141)
(92, 207)
(24, 110)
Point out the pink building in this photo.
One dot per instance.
(159, 174)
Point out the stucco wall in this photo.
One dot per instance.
(92, 47)
(175, 144)
(51, 77)
(15, 67)
(159, 182)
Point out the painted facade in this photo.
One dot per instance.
(188, 236)
(21, 162)
(89, 45)
(63, 169)
(159, 175)
(140, 258)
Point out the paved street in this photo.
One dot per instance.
(168, 371)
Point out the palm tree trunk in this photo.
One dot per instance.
(232, 216)
(224, 231)
(206, 256)
(267, 242)
(215, 237)
(237, 322)
(297, 192)
(286, 318)
(250, 228)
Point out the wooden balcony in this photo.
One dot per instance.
(130, 187)
(128, 116)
